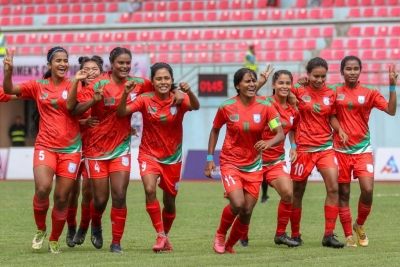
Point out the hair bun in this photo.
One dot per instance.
(81, 59)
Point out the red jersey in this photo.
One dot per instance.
(111, 138)
(313, 132)
(58, 129)
(162, 127)
(244, 128)
(353, 109)
(286, 116)
(4, 97)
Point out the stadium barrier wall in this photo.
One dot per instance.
(387, 162)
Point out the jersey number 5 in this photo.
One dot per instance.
(41, 155)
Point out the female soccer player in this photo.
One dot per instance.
(354, 104)
(107, 149)
(160, 151)
(316, 104)
(246, 116)
(94, 67)
(275, 171)
(58, 144)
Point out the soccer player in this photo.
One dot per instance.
(316, 104)
(275, 171)
(354, 104)
(58, 144)
(94, 67)
(246, 116)
(107, 149)
(160, 151)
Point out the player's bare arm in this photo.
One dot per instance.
(276, 140)
(194, 103)
(8, 86)
(336, 126)
(391, 109)
(212, 142)
(264, 77)
(123, 109)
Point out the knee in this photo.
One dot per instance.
(367, 191)
(344, 195)
(236, 206)
(150, 191)
(119, 200)
(74, 195)
(86, 194)
(100, 202)
(42, 191)
(298, 192)
(287, 196)
(247, 211)
(332, 190)
(60, 200)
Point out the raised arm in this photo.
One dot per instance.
(264, 77)
(193, 101)
(71, 99)
(123, 109)
(81, 108)
(8, 86)
(391, 108)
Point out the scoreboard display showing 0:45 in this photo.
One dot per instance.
(213, 85)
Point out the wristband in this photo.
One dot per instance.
(293, 145)
(210, 157)
(392, 88)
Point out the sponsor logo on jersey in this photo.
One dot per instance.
(132, 96)
(109, 101)
(234, 117)
(64, 94)
(391, 166)
(361, 99)
(72, 167)
(306, 98)
(173, 110)
(340, 97)
(326, 101)
(257, 118)
(125, 161)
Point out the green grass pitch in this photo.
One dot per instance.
(199, 206)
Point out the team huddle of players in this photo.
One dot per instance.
(92, 138)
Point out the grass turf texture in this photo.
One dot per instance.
(199, 206)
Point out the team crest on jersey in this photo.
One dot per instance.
(361, 99)
(44, 95)
(306, 98)
(257, 118)
(151, 110)
(72, 167)
(109, 101)
(173, 110)
(291, 119)
(64, 94)
(370, 168)
(132, 96)
(234, 117)
(125, 161)
(326, 101)
(340, 97)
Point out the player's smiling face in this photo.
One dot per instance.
(94, 70)
(247, 86)
(282, 85)
(351, 71)
(162, 81)
(121, 66)
(317, 77)
(59, 64)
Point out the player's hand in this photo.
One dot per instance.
(92, 121)
(8, 61)
(265, 74)
(129, 86)
(304, 81)
(292, 155)
(210, 169)
(393, 74)
(292, 99)
(262, 145)
(343, 136)
(81, 75)
(184, 86)
(98, 94)
(177, 99)
(134, 132)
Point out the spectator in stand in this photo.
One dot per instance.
(250, 60)
(17, 132)
(134, 5)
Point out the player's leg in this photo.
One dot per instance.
(72, 210)
(264, 190)
(87, 197)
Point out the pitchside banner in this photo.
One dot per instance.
(387, 164)
(3, 162)
(196, 162)
(31, 68)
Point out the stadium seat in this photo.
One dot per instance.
(283, 44)
(157, 36)
(327, 13)
(352, 2)
(100, 49)
(297, 56)
(175, 58)
(28, 20)
(125, 18)
(315, 32)
(315, 14)
(380, 43)
(284, 56)
(261, 3)
(274, 33)
(211, 16)
(337, 44)
(137, 17)
(195, 35)
(328, 31)
(56, 38)
(44, 39)
(234, 34)
(5, 21)
(339, 54)
(326, 54)
(32, 38)
(138, 48)
(25, 50)
(225, 16)
(394, 42)
(395, 54)
(161, 6)
(276, 14)
(221, 34)
(20, 39)
(29, 10)
(383, 31)
(187, 5)
(175, 47)
(198, 16)
(229, 47)
(354, 13)
(301, 3)
(290, 14)
(380, 54)
(243, 46)
(88, 19)
(183, 35)
(393, 2)
(16, 21)
(87, 49)
(208, 35)
(131, 36)
(148, 6)
(366, 43)
(100, 8)
(203, 57)
(248, 15)
(367, 55)
(169, 35)
(17, 10)
(298, 44)
(64, 20)
(287, 33)
(368, 12)
(366, 2)
(311, 44)
(270, 56)
(382, 12)
(173, 6)
(354, 31)
(149, 17)
(76, 19)
(119, 37)
(189, 47)
(223, 4)
(333, 67)
(189, 58)
(327, 3)
(88, 8)
(375, 67)
(100, 18)
(144, 36)
(37, 50)
(211, 5)
(369, 31)
(236, 4)
(248, 34)
(81, 38)
(174, 17)
(352, 43)
(69, 38)
(198, 5)
(248, 4)
(302, 14)
(339, 3)
(6, 11)
(301, 32)
(395, 12)
(334, 78)
(76, 8)
(262, 15)
(163, 48)
(113, 7)
(187, 17)
(53, 9)
(41, 10)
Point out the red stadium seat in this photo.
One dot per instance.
(366, 43)
(221, 34)
(198, 16)
(6, 11)
(327, 13)
(236, 4)
(234, 34)
(327, 3)
(176, 58)
(382, 12)
(301, 3)
(352, 2)
(395, 12)
(29, 10)
(297, 56)
(119, 37)
(284, 56)
(76, 8)
(368, 12)
(161, 6)
(354, 31)
(88, 19)
(16, 21)
(315, 32)
(380, 54)
(395, 31)
(216, 46)
(64, 20)
(75, 50)
(41, 10)
(131, 37)
(163, 48)
(261, 3)
(326, 54)
(195, 35)
(262, 15)
(229, 47)
(32, 38)
(211, 16)
(366, 2)
(148, 6)
(383, 31)
(56, 38)
(187, 5)
(289, 14)
(394, 42)
(242, 46)
(21, 39)
(125, 18)
(138, 48)
(248, 34)
(100, 49)
(283, 44)
(338, 54)
(183, 35)
(298, 44)
(311, 44)
(198, 5)
(229, 57)
(174, 17)
(64, 9)
(337, 44)
(113, 7)
(302, 14)
(211, 5)
(9, 39)
(328, 31)
(169, 35)
(334, 67)
(367, 55)
(287, 33)
(334, 78)
(100, 18)
(37, 50)
(87, 49)
(315, 14)
(88, 8)
(81, 38)
(369, 31)
(175, 47)
(53, 9)
(164, 57)
(100, 8)
(249, 4)
(208, 35)
(392, 2)
(352, 43)
(69, 38)
(149, 17)
(76, 19)
(137, 17)
(17, 10)
(274, 33)
(187, 17)
(25, 50)
(375, 67)
(261, 34)
(189, 58)
(301, 32)
(144, 36)
(225, 16)
(395, 54)
(248, 15)
(276, 14)
(189, 47)
(339, 3)
(202, 47)
(51, 20)
(173, 6)
(28, 20)
(44, 39)
(94, 37)
(379, 2)
(157, 36)
(380, 43)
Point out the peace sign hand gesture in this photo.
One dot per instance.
(265, 74)
(393, 74)
(8, 61)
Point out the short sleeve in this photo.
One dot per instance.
(4, 97)
(185, 104)
(296, 89)
(85, 93)
(379, 101)
(147, 86)
(272, 120)
(136, 105)
(219, 119)
(29, 90)
(333, 110)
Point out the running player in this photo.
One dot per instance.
(275, 170)
(160, 151)
(107, 149)
(354, 104)
(58, 144)
(314, 147)
(93, 66)
(246, 116)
